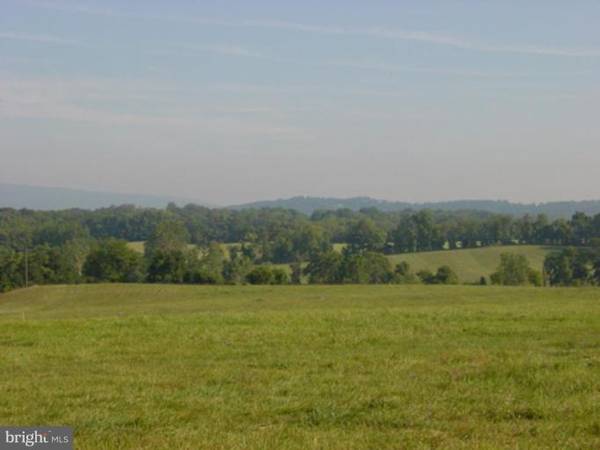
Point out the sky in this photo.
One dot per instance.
(229, 102)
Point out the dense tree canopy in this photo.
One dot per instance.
(574, 267)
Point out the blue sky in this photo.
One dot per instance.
(228, 102)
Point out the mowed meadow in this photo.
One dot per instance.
(296, 367)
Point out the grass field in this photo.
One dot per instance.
(249, 367)
(471, 264)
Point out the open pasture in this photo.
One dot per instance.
(255, 367)
(471, 264)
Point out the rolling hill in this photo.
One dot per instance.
(471, 264)
(308, 205)
(49, 198)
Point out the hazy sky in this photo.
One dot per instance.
(234, 101)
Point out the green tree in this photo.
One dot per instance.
(366, 268)
(296, 271)
(558, 270)
(572, 267)
(426, 231)
(581, 228)
(67, 260)
(211, 266)
(596, 275)
(237, 267)
(168, 266)
(365, 235)
(113, 261)
(11, 275)
(513, 270)
(170, 235)
(404, 235)
(325, 268)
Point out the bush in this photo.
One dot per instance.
(280, 276)
(426, 276)
(403, 274)
(260, 275)
(535, 277)
(296, 270)
(444, 275)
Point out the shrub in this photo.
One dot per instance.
(260, 275)
(280, 276)
(444, 275)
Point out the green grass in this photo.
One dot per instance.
(344, 367)
(471, 264)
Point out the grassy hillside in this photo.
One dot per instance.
(157, 366)
(471, 264)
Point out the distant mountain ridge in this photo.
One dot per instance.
(54, 198)
(308, 205)
(48, 198)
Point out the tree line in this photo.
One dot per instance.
(40, 247)
(281, 235)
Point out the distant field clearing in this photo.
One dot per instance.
(471, 264)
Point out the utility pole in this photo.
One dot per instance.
(26, 269)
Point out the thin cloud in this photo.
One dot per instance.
(232, 50)
(62, 100)
(425, 37)
(222, 49)
(389, 68)
(41, 38)
(373, 32)
(81, 9)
